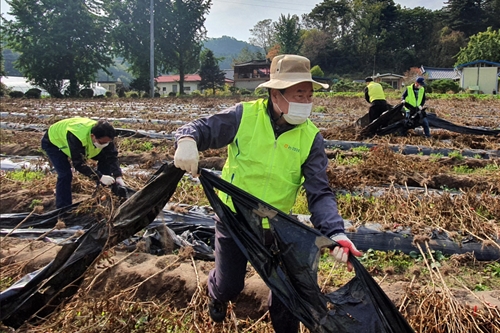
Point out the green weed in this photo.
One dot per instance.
(341, 160)
(301, 206)
(456, 155)
(462, 169)
(320, 109)
(360, 149)
(35, 202)
(436, 157)
(24, 175)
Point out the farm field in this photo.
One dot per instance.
(126, 290)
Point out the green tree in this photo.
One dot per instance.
(211, 75)
(483, 46)
(58, 40)
(185, 36)
(331, 16)
(288, 34)
(247, 55)
(467, 16)
(492, 10)
(316, 71)
(263, 34)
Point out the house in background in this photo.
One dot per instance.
(480, 76)
(250, 74)
(167, 84)
(434, 73)
(111, 86)
(394, 80)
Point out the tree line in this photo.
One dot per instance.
(72, 40)
(353, 37)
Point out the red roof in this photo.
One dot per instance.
(175, 78)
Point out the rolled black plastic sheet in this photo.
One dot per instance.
(289, 267)
(41, 292)
(393, 121)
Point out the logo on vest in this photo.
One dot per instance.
(294, 149)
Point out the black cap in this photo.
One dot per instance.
(368, 79)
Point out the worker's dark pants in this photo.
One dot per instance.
(425, 125)
(64, 174)
(376, 109)
(227, 280)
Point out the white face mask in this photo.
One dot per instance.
(101, 146)
(297, 112)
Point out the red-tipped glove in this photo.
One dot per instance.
(341, 252)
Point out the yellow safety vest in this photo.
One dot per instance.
(410, 97)
(79, 127)
(375, 91)
(267, 167)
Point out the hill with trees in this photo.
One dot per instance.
(227, 49)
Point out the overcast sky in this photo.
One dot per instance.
(235, 18)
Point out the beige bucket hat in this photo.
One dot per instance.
(288, 70)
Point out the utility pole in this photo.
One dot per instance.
(151, 50)
(374, 65)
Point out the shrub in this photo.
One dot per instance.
(133, 95)
(87, 93)
(444, 86)
(109, 94)
(157, 95)
(244, 91)
(33, 93)
(16, 94)
(196, 93)
(145, 95)
(172, 94)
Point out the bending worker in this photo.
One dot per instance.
(272, 147)
(414, 96)
(374, 94)
(78, 139)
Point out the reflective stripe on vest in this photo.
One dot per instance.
(80, 127)
(266, 167)
(375, 91)
(410, 98)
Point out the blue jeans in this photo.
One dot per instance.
(61, 164)
(425, 125)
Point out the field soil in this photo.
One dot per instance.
(134, 291)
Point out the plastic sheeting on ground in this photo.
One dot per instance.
(289, 267)
(39, 293)
(393, 121)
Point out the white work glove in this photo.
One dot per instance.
(107, 180)
(420, 107)
(186, 155)
(341, 252)
(119, 181)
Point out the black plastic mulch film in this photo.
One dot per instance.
(289, 267)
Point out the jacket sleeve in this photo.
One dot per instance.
(404, 94)
(320, 197)
(109, 156)
(78, 158)
(215, 131)
(367, 95)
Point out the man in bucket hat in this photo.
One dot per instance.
(273, 149)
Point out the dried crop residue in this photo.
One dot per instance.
(139, 292)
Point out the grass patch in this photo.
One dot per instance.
(25, 175)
